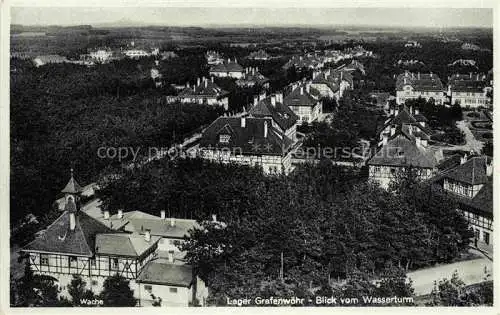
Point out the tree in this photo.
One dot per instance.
(77, 290)
(36, 290)
(116, 292)
(454, 292)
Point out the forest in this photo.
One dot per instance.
(62, 114)
(327, 221)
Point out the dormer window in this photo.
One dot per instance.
(224, 138)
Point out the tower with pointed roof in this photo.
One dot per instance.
(72, 191)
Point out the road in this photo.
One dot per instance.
(471, 143)
(470, 271)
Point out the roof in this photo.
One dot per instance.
(280, 113)
(51, 58)
(205, 88)
(246, 140)
(231, 66)
(72, 187)
(467, 85)
(261, 54)
(472, 172)
(419, 81)
(123, 244)
(404, 117)
(58, 238)
(401, 151)
(166, 274)
(299, 97)
(482, 201)
(162, 227)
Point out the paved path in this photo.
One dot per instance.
(470, 271)
(471, 143)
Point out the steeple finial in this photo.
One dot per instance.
(71, 170)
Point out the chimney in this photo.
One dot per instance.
(424, 142)
(171, 256)
(470, 75)
(255, 100)
(187, 84)
(198, 82)
(120, 213)
(212, 78)
(243, 121)
(393, 130)
(396, 111)
(72, 221)
(463, 159)
(315, 74)
(157, 62)
(172, 221)
(273, 100)
(385, 138)
(418, 141)
(265, 129)
(147, 235)
(301, 90)
(489, 168)
(417, 111)
(214, 218)
(162, 214)
(206, 83)
(106, 215)
(279, 97)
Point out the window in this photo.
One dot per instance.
(172, 290)
(224, 138)
(92, 262)
(73, 261)
(148, 288)
(44, 260)
(114, 263)
(93, 282)
(486, 237)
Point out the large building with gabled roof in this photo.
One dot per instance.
(469, 181)
(414, 85)
(400, 151)
(305, 102)
(283, 118)
(227, 69)
(84, 244)
(248, 141)
(205, 91)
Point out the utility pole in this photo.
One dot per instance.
(281, 267)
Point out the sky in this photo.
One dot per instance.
(192, 16)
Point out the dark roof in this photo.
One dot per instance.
(205, 88)
(402, 151)
(472, 172)
(299, 97)
(58, 238)
(419, 81)
(247, 140)
(252, 77)
(404, 117)
(72, 187)
(123, 244)
(258, 54)
(280, 113)
(467, 86)
(230, 66)
(166, 274)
